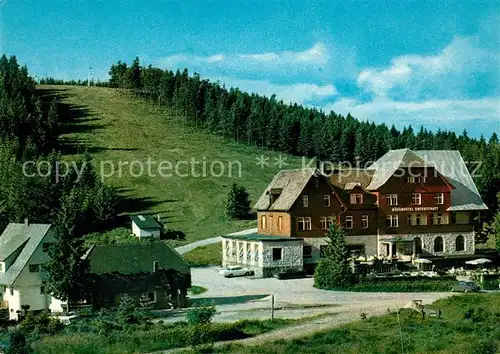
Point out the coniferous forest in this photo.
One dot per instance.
(270, 123)
(29, 131)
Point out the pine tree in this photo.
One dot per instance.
(238, 204)
(66, 270)
(334, 270)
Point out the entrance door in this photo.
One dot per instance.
(393, 249)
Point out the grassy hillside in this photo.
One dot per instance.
(116, 129)
(469, 325)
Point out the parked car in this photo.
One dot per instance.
(465, 287)
(235, 271)
(291, 274)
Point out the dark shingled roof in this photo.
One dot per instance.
(291, 183)
(145, 221)
(347, 179)
(260, 237)
(134, 258)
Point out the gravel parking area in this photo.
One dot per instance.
(244, 297)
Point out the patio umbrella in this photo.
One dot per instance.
(478, 261)
(422, 260)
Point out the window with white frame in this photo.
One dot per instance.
(356, 198)
(323, 223)
(326, 199)
(439, 219)
(392, 199)
(364, 221)
(349, 222)
(304, 223)
(263, 222)
(391, 220)
(416, 198)
(280, 223)
(439, 198)
(422, 179)
(270, 222)
(151, 296)
(305, 201)
(410, 179)
(416, 219)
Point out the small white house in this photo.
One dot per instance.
(23, 251)
(145, 226)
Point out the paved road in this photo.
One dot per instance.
(209, 241)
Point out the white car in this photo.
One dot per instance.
(235, 271)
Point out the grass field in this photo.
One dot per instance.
(453, 333)
(210, 255)
(119, 131)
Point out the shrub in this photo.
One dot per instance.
(41, 323)
(487, 346)
(126, 309)
(17, 343)
(201, 315)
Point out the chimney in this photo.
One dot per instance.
(26, 223)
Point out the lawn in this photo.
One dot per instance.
(210, 255)
(469, 325)
(125, 136)
(85, 338)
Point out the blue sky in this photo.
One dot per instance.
(435, 64)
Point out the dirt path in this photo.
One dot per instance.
(301, 330)
(191, 246)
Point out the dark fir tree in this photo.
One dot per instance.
(238, 204)
(333, 271)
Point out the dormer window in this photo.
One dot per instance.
(305, 201)
(356, 198)
(326, 198)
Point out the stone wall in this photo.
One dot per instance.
(258, 255)
(449, 243)
(291, 255)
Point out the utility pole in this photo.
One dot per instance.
(88, 80)
(272, 307)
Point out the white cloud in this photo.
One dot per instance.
(430, 112)
(300, 93)
(449, 73)
(316, 55)
(319, 63)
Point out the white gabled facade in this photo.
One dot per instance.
(22, 277)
